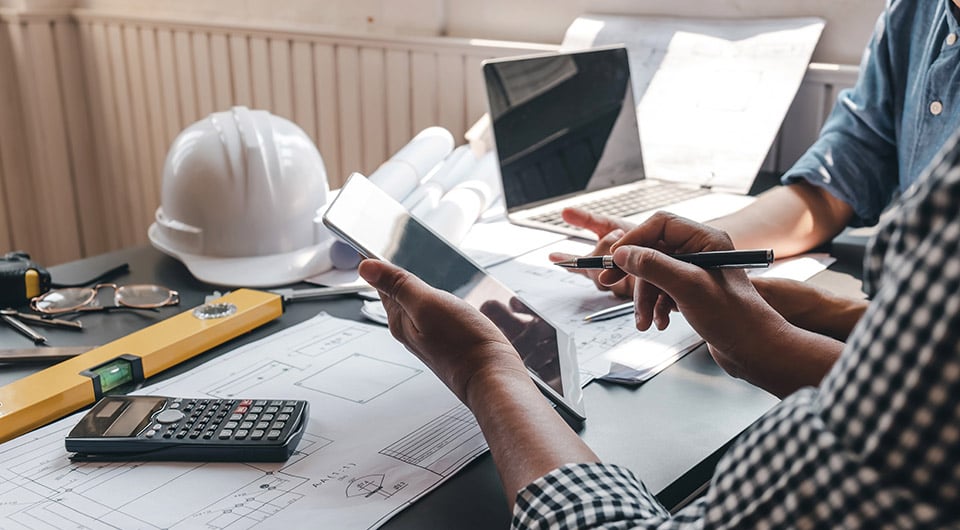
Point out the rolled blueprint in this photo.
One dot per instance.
(452, 171)
(399, 176)
(461, 206)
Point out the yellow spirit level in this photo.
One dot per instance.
(50, 394)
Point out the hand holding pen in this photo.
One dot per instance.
(717, 259)
(720, 259)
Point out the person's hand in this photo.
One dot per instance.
(452, 338)
(608, 230)
(810, 307)
(721, 305)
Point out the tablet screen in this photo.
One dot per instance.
(379, 227)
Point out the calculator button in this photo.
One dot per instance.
(169, 416)
(256, 410)
(287, 410)
(246, 425)
(175, 405)
(263, 425)
(151, 434)
(266, 417)
(277, 403)
(274, 434)
(240, 410)
(257, 434)
(279, 425)
(283, 417)
(272, 410)
(231, 425)
(226, 433)
(241, 434)
(236, 417)
(181, 434)
(260, 402)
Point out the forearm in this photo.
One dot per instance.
(790, 219)
(799, 358)
(527, 438)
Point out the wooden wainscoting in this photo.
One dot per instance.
(90, 102)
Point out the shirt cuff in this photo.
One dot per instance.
(585, 496)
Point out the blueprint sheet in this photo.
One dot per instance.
(382, 432)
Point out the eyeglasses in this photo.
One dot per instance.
(142, 296)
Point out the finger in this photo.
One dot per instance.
(644, 299)
(599, 224)
(606, 242)
(394, 282)
(661, 312)
(674, 233)
(677, 279)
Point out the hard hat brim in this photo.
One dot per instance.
(253, 271)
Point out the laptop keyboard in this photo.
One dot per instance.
(628, 203)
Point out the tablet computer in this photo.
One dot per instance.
(381, 228)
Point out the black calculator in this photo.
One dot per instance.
(173, 428)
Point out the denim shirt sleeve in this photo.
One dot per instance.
(855, 157)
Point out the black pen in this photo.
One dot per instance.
(716, 259)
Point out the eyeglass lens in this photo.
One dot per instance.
(142, 296)
(136, 296)
(64, 299)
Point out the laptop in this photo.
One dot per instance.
(566, 134)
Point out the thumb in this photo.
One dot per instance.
(674, 277)
(392, 281)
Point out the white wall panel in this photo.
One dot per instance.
(101, 97)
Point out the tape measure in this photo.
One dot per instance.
(21, 279)
(52, 393)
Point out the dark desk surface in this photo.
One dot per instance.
(670, 431)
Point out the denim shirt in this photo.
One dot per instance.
(884, 131)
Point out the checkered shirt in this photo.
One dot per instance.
(877, 445)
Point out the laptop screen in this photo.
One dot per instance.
(563, 123)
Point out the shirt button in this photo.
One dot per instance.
(951, 39)
(936, 108)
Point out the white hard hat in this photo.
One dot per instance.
(241, 201)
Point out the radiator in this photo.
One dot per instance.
(103, 96)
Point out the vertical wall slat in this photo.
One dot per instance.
(86, 177)
(328, 111)
(451, 100)
(159, 136)
(203, 74)
(59, 222)
(348, 93)
(100, 132)
(142, 154)
(220, 69)
(304, 109)
(169, 86)
(129, 178)
(423, 74)
(183, 64)
(398, 120)
(15, 166)
(373, 97)
(280, 77)
(115, 182)
(240, 70)
(260, 73)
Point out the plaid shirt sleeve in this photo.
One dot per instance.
(876, 446)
